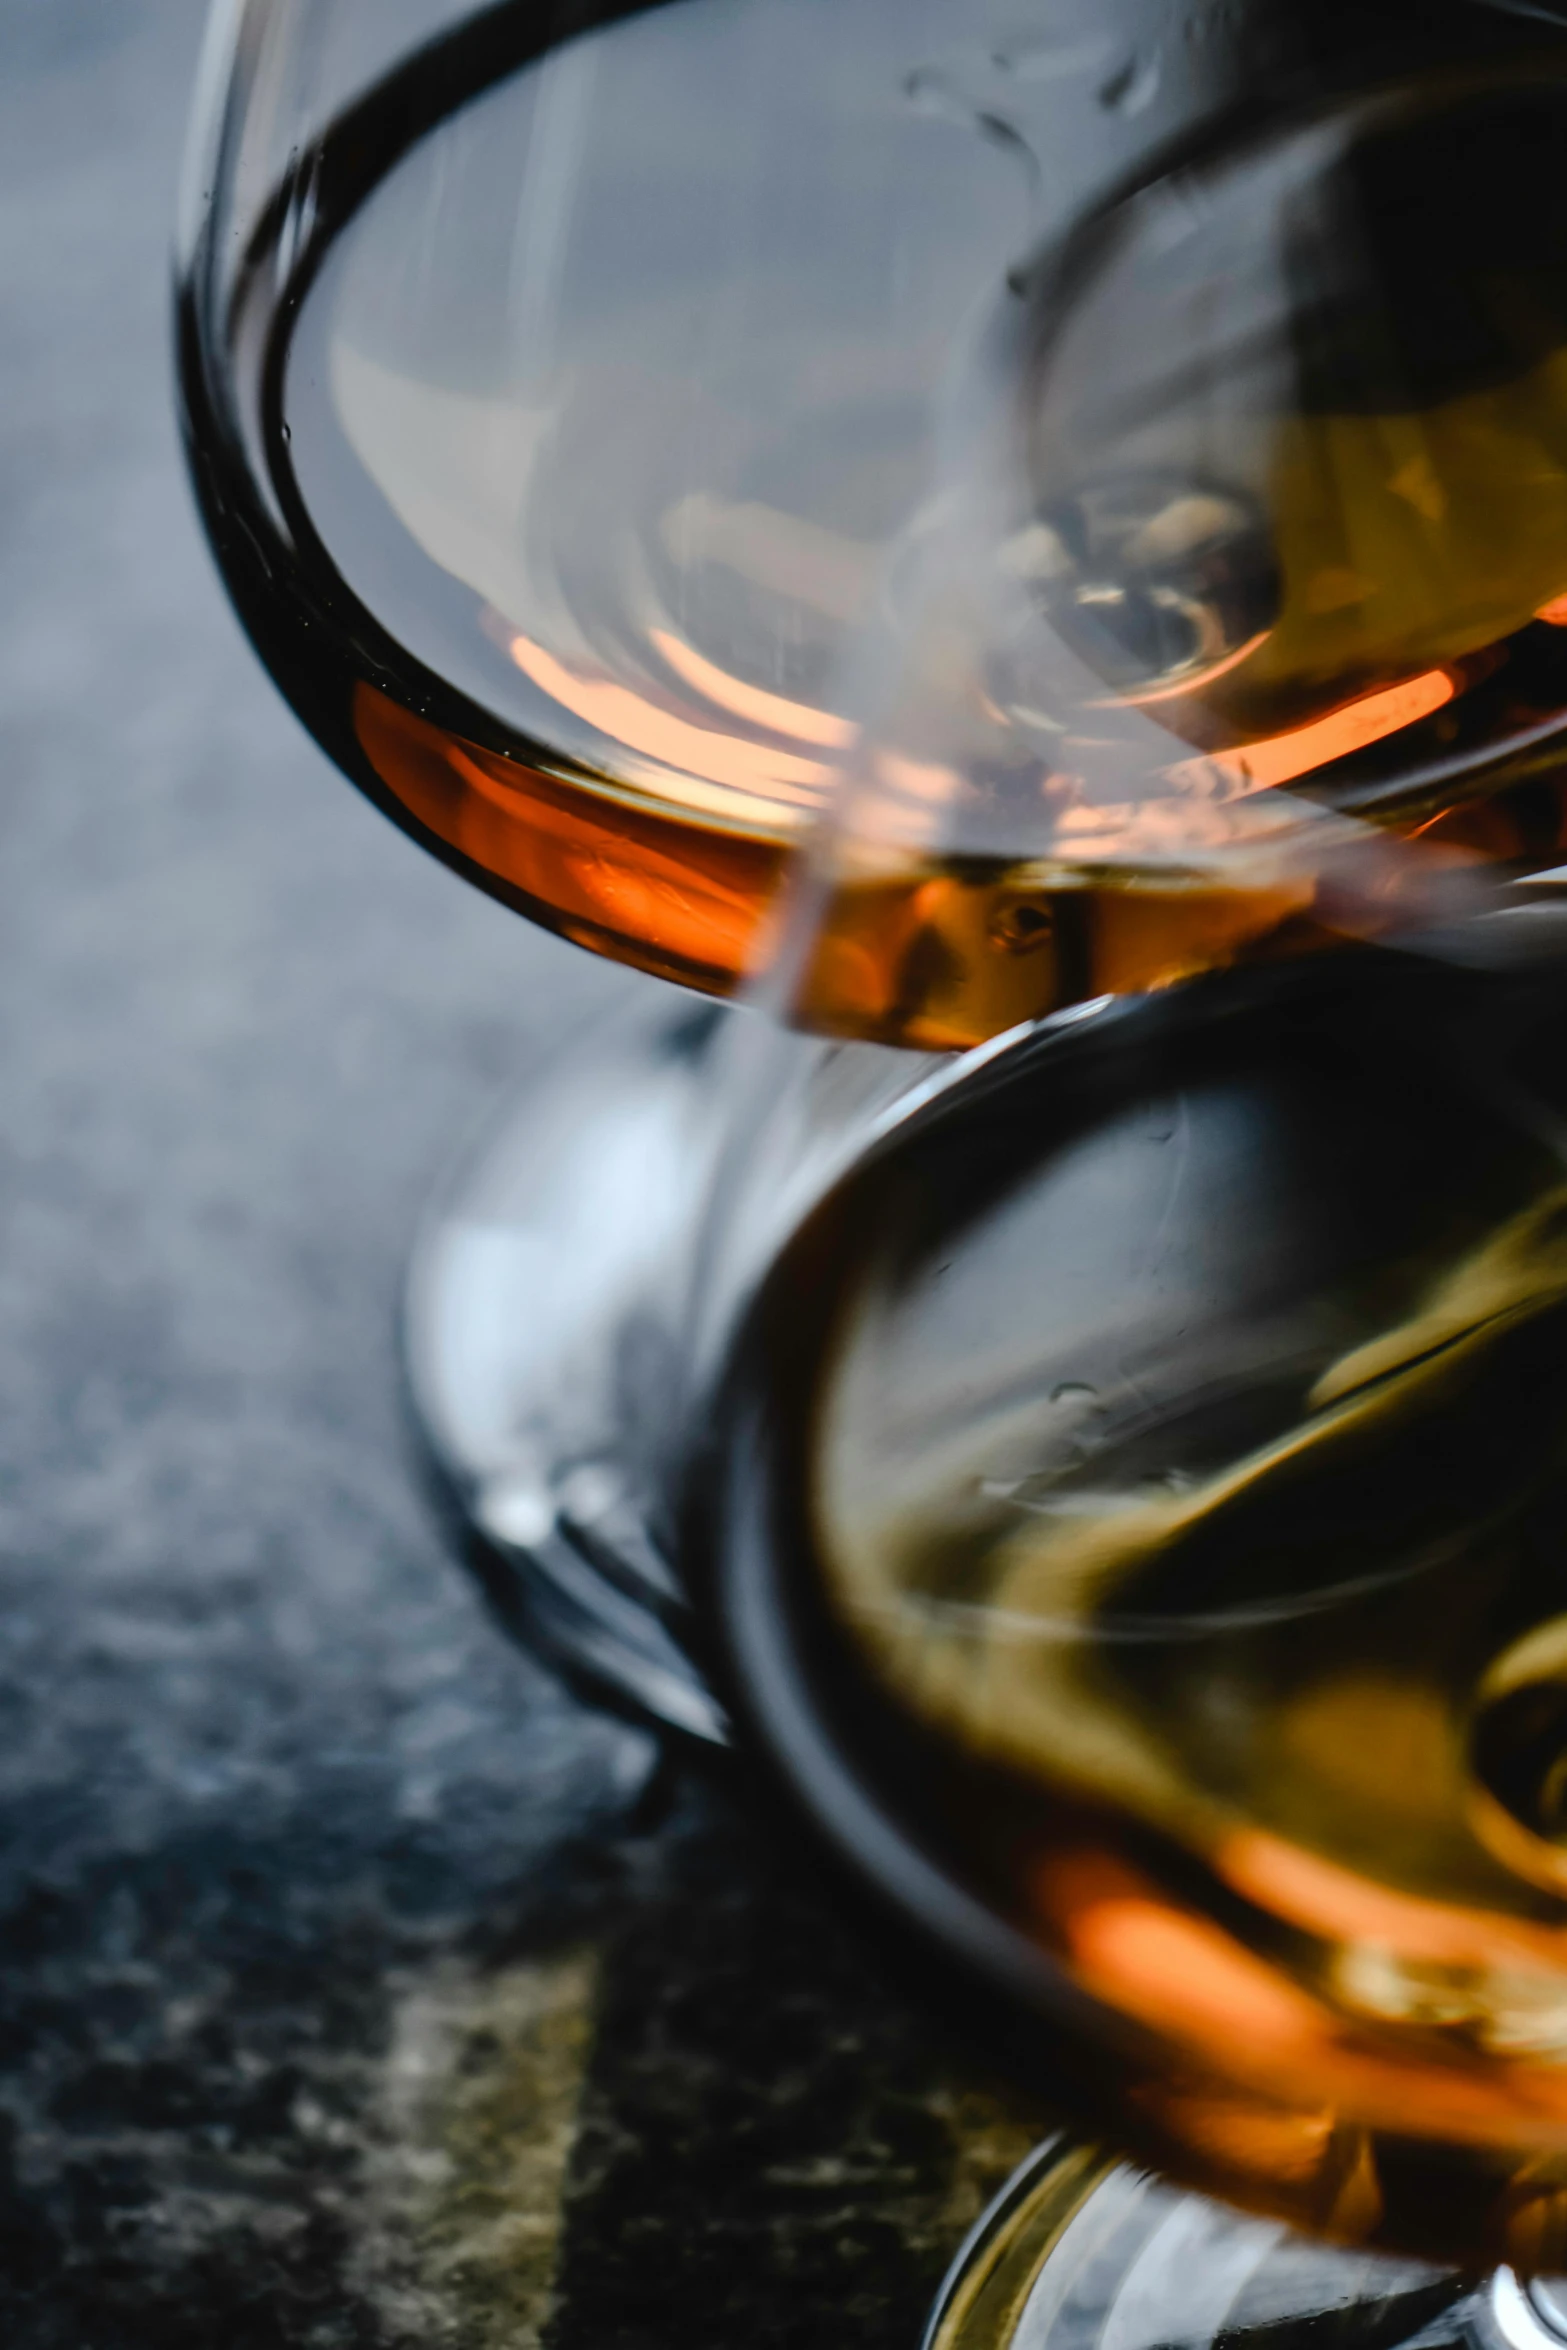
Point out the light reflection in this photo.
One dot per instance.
(696, 752)
(1283, 758)
(795, 719)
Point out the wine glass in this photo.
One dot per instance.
(1130, 1515)
(554, 384)
(1098, 481)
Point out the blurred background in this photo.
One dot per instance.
(357, 1986)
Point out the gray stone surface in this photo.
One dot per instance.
(352, 1988)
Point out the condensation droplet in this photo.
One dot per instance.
(931, 92)
(930, 89)
(1132, 87)
(1050, 60)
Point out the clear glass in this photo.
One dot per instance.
(1039, 547)
(556, 381)
(1134, 1509)
(554, 385)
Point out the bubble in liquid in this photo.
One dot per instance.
(1021, 926)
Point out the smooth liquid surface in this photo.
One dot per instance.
(1170, 1467)
(594, 422)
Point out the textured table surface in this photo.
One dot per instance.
(356, 1985)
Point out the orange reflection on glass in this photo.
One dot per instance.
(796, 720)
(1164, 1966)
(696, 752)
(1282, 758)
(1341, 1906)
(1173, 1969)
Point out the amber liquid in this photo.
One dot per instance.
(573, 605)
(1167, 1489)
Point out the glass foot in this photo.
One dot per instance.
(1081, 2252)
(545, 1302)
(552, 1317)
